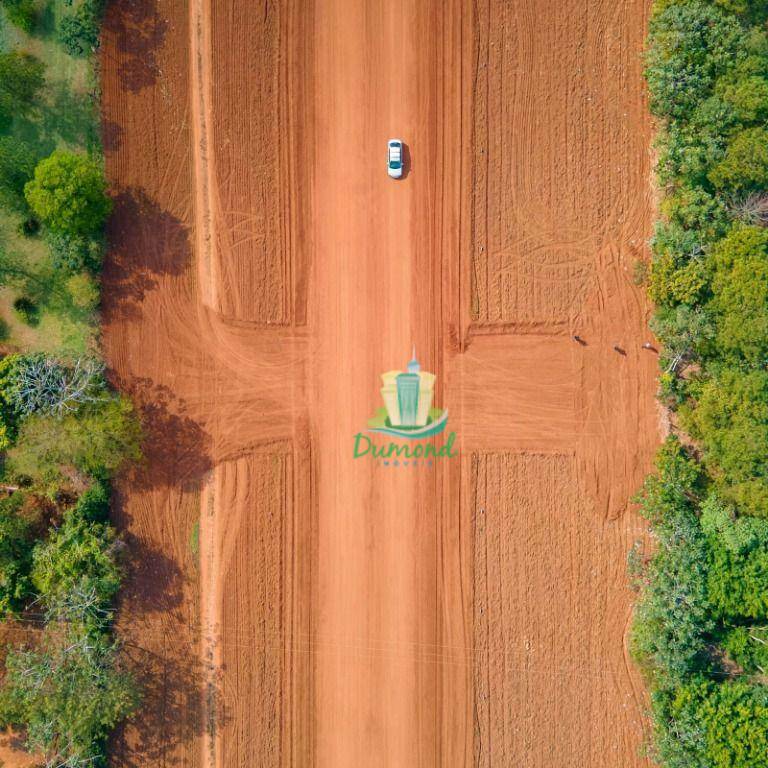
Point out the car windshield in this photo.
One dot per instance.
(393, 163)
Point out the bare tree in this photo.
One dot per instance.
(752, 209)
(45, 385)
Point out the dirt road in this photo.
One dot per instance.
(294, 605)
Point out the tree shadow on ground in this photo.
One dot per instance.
(144, 243)
(139, 32)
(171, 718)
(176, 448)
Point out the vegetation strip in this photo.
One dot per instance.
(700, 631)
(63, 431)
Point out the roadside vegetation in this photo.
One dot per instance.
(700, 631)
(63, 431)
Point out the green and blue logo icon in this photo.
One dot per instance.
(408, 414)
(408, 411)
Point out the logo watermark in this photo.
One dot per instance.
(409, 414)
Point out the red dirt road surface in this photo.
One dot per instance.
(289, 604)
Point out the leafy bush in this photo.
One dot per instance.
(75, 253)
(738, 534)
(68, 194)
(747, 97)
(695, 210)
(673, 283)
(10, 415)
(93, 505)
(79, 33)
(748, 647)
(16, 543)
(83, 291)
(736, 583)
(684, 331)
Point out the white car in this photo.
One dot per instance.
(395, 158)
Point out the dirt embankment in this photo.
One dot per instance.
(292, 605)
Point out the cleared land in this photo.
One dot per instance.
(292, 605)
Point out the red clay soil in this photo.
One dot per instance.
(290, 605)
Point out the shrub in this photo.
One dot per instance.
(21, 80)
(17, 164)
(745, 165)
(689, 150)
(10, 415)
(689, 46)
(684, 331)
(736, 582)
(671, 283)
(79, 33)
(68, 194)
(83, 291)
(93, 505)
(74, 253)
(737, 534)
(748, 647)
(16, 541)
(21, 13)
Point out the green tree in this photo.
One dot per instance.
(748, 97)
(745, 165)
(737, 583)
(672, 617)
(78, 555)
(21, 80)
(729, 417)
(67, 693)
(684, 331)
(693, 208)
(689, 46)
(703, 724)
(97, 440)
(68, 194)
(740, 293)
